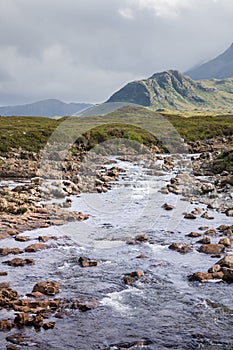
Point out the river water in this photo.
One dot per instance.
(163, 309)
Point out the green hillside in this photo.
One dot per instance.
(172, 90)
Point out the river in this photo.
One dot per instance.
(163, 310)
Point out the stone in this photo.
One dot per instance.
(12, 347)
(190, 216)
(228, 274)
(212, 248)
(141, 238)
(167, 206)
(86, 304)
(204, 240)
(132, 277)
(225, 241)
(194, 234)
(15, 338)
(201, 276)
(86, 262)
(22, 238)
(181, 247)
(3, 273)
(47, 288)
(19, 262)
(229, 212)
(203, 228)
(215, 268)
(206, 216)
(35, 247)
(6, 325)
(48, 325)
(227, 261)
(7, 251)
(210, 231)
(141, 256)
(22, 319)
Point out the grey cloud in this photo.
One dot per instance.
(84, 50)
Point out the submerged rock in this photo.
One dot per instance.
(132, 277)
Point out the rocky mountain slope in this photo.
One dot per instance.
(220, 67)
(46, 108)
(171, 89)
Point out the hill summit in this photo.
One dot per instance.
(220, 67)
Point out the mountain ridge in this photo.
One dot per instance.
(46, 108)
(220, 67)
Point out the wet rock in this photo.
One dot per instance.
(229, 212)
(86, 304)
(228, 274)
(47, 288)
(48, 325)
(141, 238)
(7, 295)
(16, 338)
(22, 238)
(206, 216)
(46, 238)
(201, 276)
(223, 228)
(197, 211)
(194, 234)
(190, 216)
(167, 206)
(6, 325)
(204, 240)
(212, 248)
(227, 261)
(132, 277)
(210, 231)
(141, 256)
(203, 228)
(4, 285)
(12, 347)
(131, 345)
(38, 321)
(225, 241)
(19, 262)
(215, 268)
(7, 251)
(22, 319)
(181, 247)
(86, 262)
(35, 247)
(3, 273)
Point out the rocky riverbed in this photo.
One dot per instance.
(85, 258)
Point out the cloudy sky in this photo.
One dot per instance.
(84, 50)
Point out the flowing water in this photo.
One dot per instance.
(163, 309)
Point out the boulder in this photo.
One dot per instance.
(225, 241)
(19, 262)
(227, 261)
(212, 248)
(227, 274)
(167, 206)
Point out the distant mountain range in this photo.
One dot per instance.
(220, 67)
(173, 90)
(46, 108)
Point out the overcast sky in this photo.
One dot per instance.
(85, 50)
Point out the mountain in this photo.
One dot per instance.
(171, 89)
(220, 67)
(46, 108)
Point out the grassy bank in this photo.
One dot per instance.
(138, 124)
